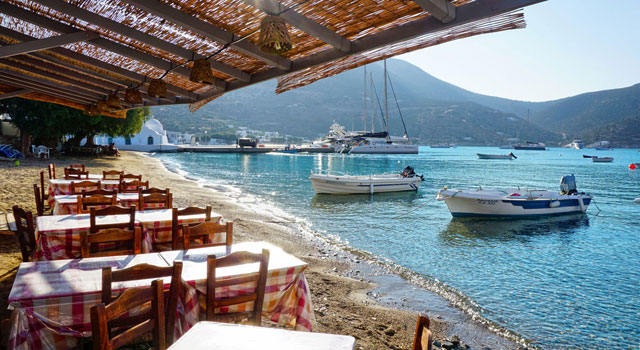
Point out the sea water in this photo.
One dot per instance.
(559, 282)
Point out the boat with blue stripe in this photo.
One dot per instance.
(516, 202)
(407, 180)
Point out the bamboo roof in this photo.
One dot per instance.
(77, 52)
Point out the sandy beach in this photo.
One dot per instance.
(344, 295)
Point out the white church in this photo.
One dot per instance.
(152, 138)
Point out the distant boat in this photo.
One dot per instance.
(586, 156)
(636, 201)
(531, 146)
(602, 159)
(407, 180)
(286, 150)
(496, 156)
(604, 149)
(506, 147)
(576, 144)
(442, 145)
(516, 202)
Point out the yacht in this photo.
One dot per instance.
(530, 146)
(576, 144)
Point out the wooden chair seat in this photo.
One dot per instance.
(202, 235)
(255, 296)
(131, 299)
(110, 242)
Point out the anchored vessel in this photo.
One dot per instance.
(407, 180)
(531, 146)
(516, 202)
(497, 156)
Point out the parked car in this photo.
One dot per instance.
(247, 142)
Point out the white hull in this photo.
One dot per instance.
(384, 148)
(494, 156)
(346, 184)
(602, 160)
(512, 203)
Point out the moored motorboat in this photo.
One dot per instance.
(497, 156)
(515, 202)
(531, 146)
(602, 159)
(407, 180)
(587, 156)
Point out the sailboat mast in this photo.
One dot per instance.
(373, 128)
(364, 119)
(386, 105)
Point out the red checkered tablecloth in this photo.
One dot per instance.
(61, 186)
(58, 236)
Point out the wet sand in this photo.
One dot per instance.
(351, 294)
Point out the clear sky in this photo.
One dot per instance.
(569, 47)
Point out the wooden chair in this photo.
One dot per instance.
(423, 337)
(26, 232)
(154, 190)
(39, 202)
(164, 201)
(256, 295)
(43, 194)
(99, 191)
(112, 210)
(70, 174)
(125, 242)
(112, 175)
(176, 228)
(52, 171)
(132, 186)
(204, 232)
(79, 186)
(77, 167)
(98, 200)
(142, 272)
(130, 299)
(124, 177)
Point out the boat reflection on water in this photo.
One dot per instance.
(338, 201)
(462, 230)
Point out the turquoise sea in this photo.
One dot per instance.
(567, 282)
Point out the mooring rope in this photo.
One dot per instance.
(413, 209)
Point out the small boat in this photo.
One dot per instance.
(516, 202)
(602, 159)
(407, 180)
(497, 156)
(530, 146)
(586, 156)
(636, 201)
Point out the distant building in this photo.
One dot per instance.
(151, 138)
(178, 138)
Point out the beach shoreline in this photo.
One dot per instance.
(351, 294)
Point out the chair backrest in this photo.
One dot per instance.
(98, 200)
(112, 210)
(112, 175)
(52, 171)
(39, 202)
(205, 232)
(43, 195)
(100, 191)
(70, 173)
(176, 228)
(253, 286)
(26, 232)
(130, 177)
(125, 242)
(151, 190)
(78, 186)
(77, 167)
(129, 300)
(142, 272)
(132, 186)
(155, 200)
(423, 337)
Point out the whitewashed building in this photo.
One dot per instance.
(178, 138)
(151, 138)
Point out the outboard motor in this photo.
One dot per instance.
(408, 172)
(568, 185)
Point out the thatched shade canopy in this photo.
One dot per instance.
(77, 52)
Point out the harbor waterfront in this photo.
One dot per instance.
(561, 282)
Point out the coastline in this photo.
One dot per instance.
(351, 293)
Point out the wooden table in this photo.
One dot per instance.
(58, 236)
(52, 299)
(68, 203)
(212, 335)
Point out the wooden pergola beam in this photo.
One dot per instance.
(151, 40)
(43, 44)
(37, 85)
(443, 10)
(208, 30)
(275, 8)
(470, 12)
(106, 44)
(11, 94)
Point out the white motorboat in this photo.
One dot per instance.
(602, 159)
(407, 180)
(516, 202)
(497, 156)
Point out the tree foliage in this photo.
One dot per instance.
(50, 122)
